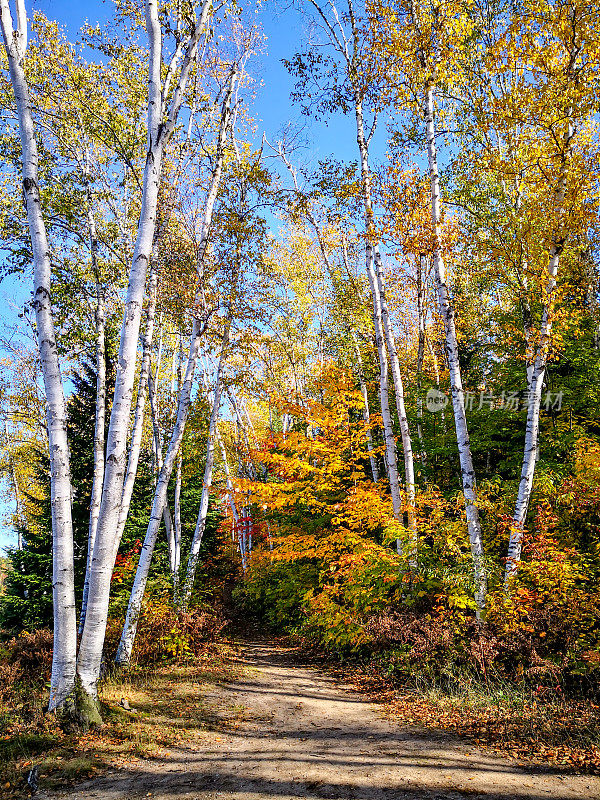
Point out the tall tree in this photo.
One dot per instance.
(65, 633)
(165, 98)
(423, 43)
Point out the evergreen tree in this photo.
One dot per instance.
(27, 600)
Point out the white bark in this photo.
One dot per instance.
(141, 576)
(421, 320)
(451, 343)
(390, 441)
(156, 438)
(99, 427)
(235, 517)
(65, 625)
(188, 584)
(138, 420)
(177, 526)
(177, 496)
(161, 123)
(241, 425)
(388, 431)
(366, 412)
(15, 481)
(409, 469)
(168, 522)
(535, 382)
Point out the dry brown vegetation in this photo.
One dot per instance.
(163, 706)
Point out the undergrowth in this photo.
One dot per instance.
(154, 704)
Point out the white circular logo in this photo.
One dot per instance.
(436, 400)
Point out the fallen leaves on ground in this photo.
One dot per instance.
(560, 733)
(167, 710)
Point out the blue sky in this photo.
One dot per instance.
(273, 109)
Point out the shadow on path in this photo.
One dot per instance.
(299, 735)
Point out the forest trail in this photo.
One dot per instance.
(290, 731)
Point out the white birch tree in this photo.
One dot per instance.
(62, 682)
(199, 327)
(165, 98)
(188, 583)
(354, 79)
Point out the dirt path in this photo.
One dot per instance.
(299, 735)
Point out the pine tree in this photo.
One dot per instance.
(27, 600)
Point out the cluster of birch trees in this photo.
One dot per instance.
(193, 98)
(135, 167)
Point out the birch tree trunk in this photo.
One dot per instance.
(188, 584)
(141, 576)
(388, 431)
(138, 420)
(451, 344)
(15, 481)
(100, 420)
(98, 441)
(62, 682)
(161, 124)
(390, 441)
(177, 496)
(167, 519)
(421, 319)
(366, 412)
(349, 50)
(535, 383)
(409, 468)
(235, 517)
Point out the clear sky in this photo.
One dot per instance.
(285, 31)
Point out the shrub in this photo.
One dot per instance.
(165, 634)
(274, 592)
(25, 667)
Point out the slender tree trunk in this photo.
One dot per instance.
(100, 421)
(161, 123)
(366, 412)
(235, 517)
(177, 496)
(177, 525)
(156, 437)
(409, 469)
(250, 468)
(98, 442)
(167, 519)
(451, 343)
(390, 441)
(62, 682)
(13, 473)
(188, 584)
(421, 319)
(388, 431)
(535, 382)
(141, 576)
(106, 544)
(138, 420)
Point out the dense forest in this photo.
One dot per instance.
(352, 400)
